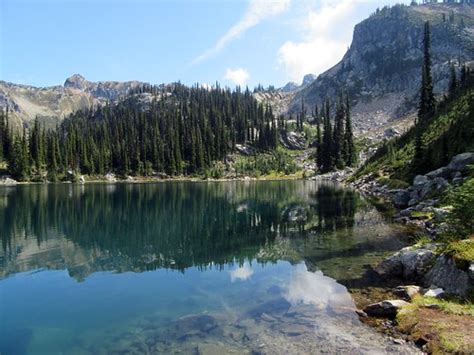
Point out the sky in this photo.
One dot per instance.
(233, 42)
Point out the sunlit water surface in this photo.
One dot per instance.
(211, 268)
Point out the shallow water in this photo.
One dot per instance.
(231, 267)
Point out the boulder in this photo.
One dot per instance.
(436, 185)
(391, 132)
(401, 198)
(447, 275)
(457, 178)
(110, 177)
(435, 292)
(407, 292)
(293, 140)
(410, 263)
(420, 180)
(387, 308)
(461, 161)
(8, 181)
(470, 271)
(82, 179)
(244, 149)
(443, 172)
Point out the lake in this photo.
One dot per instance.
(183, 267)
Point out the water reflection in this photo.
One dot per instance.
(168, 225)
(316, 289)
(187, 268)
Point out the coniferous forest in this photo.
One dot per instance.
(173, 130)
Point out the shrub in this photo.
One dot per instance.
(462, 215)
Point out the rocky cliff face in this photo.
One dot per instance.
(381, 69)
(51, 104)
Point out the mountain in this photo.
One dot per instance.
(381, 69)
(53, 103)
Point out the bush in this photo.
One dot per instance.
(462, 215)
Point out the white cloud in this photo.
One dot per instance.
(326, 34)
(242, 273)
(315, 288)
(257, 11)
(238, 76)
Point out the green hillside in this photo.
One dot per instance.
(450, 132)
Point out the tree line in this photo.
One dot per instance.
(335, 144)
(172, 130)
(427, 156)
(180, 131)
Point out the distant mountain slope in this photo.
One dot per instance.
(449, 133)
(56, 102)
(381, 69)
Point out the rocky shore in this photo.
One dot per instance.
(433, 283)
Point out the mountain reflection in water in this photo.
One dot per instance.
(239, 267)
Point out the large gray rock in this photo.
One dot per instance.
(401, 198)
(293, 140)
(424, 188)
(461, 161)
(387, 308)
(447, 275)
(443, 172)
(410, 263)
(8, 181)
(420, 180)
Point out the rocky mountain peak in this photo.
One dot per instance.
(308, 79)
(381, 69)
(76, 81)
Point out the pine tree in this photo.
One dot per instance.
(319, 145)
(427, 102)
(453, 83)
(338, 137)
(327, 150)
(350, 154)
(419, 155)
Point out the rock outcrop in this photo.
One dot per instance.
(449, 277)
(381, 69)
(410, 263)
(53, 103)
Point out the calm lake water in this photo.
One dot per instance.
(205, 268)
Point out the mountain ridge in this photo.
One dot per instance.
(380, 70)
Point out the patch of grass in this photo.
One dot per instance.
(421, 215)
(422, 240)
(446, 329)
(448, 306)
(462, 251)
(451, 343)
(393, 183)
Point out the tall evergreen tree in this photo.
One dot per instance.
(453, 82)
(327, 149)
(338, 136)
(350, 154)
(427, 102)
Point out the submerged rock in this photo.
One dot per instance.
(387, 308)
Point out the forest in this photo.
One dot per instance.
(173, 130)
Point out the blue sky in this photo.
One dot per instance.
(244, 42)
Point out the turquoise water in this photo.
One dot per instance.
(231, 267)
